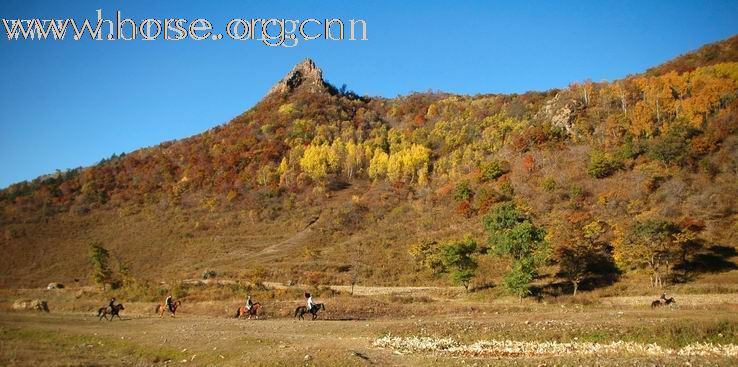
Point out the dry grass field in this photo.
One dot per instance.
(382, 326)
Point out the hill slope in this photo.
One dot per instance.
(317, 184)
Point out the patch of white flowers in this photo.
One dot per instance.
(520, 348)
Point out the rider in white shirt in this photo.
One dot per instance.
(249, 304)
(309, 301)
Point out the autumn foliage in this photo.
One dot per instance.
(624, 155)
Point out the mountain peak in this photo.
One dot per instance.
(305, 73)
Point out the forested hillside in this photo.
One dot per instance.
(316, 184)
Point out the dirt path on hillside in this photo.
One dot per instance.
(366, 290)
(288, 243)
(284, 245)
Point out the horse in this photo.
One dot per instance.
(302, 310)
(667, 301)
(103, 312)
(663, 301)
(161, 308)
(242, 311)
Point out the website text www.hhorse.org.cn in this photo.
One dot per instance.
(271, 32)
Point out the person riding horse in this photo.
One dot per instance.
(250, 308)
(112, 309)
(169, 303)
(249, 303)
(310, 304)
(663, 301)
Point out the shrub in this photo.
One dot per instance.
(529, 163)
(672, 147)
(484, 199)
(517, 280)
(577, 192)
(463, 191)
(493, 170)
(465, 209)
(548, 184)
(507, 190)
(602, 165)
(710, 168)
(629, 150)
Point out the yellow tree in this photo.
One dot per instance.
(282, 170)
(677, 89)
(378, 165)
(650, 244)
(315, 161)
(617, 91)
(394, 166)
(354, 159)
(707, 87)
(643, 111)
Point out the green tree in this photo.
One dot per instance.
(517, 280)
(100, 260)
(513, 235)
(457, 259)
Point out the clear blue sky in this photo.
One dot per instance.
(69, 104)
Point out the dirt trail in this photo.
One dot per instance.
(78, 339)
(366, 290)
(288, 243)
(218, 340)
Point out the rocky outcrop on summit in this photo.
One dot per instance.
(306, 75)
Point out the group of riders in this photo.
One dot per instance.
(308, 300)
(169, 302)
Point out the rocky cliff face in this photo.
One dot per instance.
(303, 75)
(561, 112)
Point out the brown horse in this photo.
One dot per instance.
(663, 301)
(161, 308)
(242, 311)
